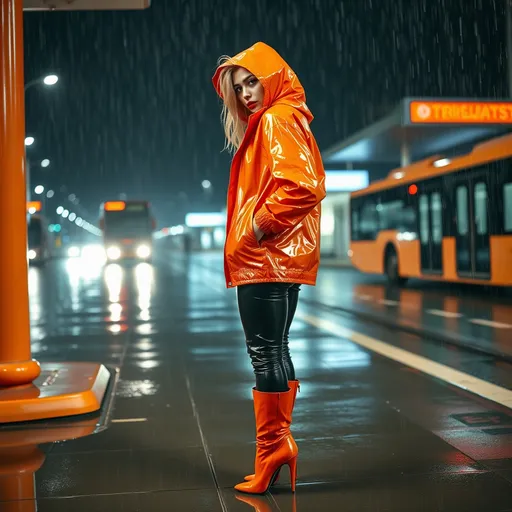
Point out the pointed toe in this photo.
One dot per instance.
(247, 487)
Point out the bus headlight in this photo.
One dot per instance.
(113, 253)
(143, 251)
(74, 252)
(32, 255)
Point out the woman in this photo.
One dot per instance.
(272, 234)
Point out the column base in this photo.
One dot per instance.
(62, 389)
(19, 373)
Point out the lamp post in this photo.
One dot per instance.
(48, 80)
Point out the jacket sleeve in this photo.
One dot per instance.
(301, 184)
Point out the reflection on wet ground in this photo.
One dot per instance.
(373, 435)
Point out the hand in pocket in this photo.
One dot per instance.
(258, 233)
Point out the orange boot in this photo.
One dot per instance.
(275, 446)
(294, 385)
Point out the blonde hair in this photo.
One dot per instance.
(233, 113)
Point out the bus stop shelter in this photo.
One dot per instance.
(421, 127)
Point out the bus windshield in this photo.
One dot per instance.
(132, 222)
(34, 233)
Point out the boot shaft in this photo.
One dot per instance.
(273, 412)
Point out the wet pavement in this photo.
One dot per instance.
(475, 317)
(178, 433)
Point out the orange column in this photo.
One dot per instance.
(16, 364)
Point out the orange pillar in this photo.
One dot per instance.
(16, 364)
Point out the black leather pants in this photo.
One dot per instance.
(266, 312)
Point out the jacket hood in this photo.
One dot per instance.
(281, 84)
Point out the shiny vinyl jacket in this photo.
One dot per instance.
(277, 178)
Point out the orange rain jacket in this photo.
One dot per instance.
(277, 178)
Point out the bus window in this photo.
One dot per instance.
(507, 207)
(369, 222)
(408, 220)
(462, 210)
(481, 208)
(424, 224)
(395, 214)
(437, 217)
(390, 214)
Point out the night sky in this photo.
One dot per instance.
(134, 111)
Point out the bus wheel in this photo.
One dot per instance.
(391, 268)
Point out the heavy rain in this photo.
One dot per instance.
(134, 110)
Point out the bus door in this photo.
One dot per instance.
(430, 205)
(471, 200)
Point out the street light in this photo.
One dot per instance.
(206, 184)
(45, 162)
(51, 79)
(47, 80)
(39, 189)
(29, 141)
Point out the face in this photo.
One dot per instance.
(248, 89)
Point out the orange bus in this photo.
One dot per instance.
(127, 228)
(445, 219)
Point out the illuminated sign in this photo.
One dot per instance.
(460, 112)
(345, 181)
(114, 206)
(205, 220)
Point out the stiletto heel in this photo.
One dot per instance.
(292, 464)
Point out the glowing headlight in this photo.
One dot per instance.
(74, 252)
(32, 255)
(114, 253)
(143, 251)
